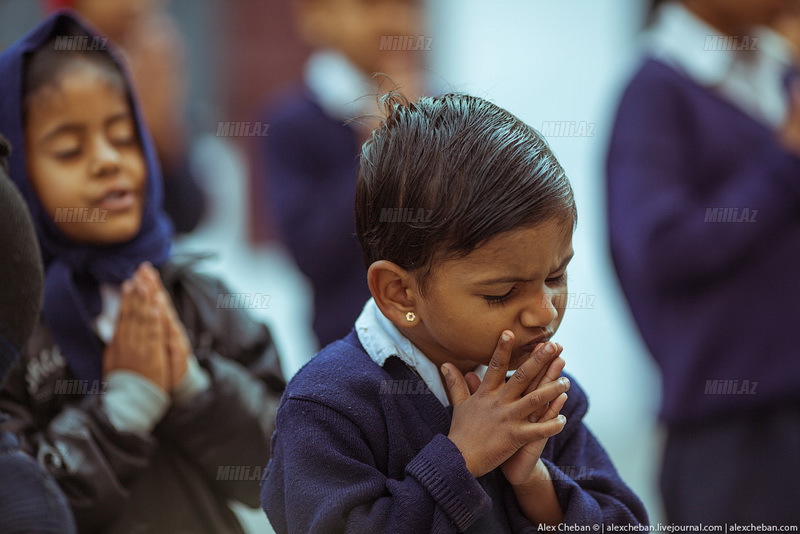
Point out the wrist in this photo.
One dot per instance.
(465, 455)
(133, 403)
(195, 380)
(537, 497)
(539, 475)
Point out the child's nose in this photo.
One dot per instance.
(105, 158)
(540, 311)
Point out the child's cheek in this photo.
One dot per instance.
(53, 186)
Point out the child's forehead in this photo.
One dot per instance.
(81, 80)
(53, 67)
(522, 248)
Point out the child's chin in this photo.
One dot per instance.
(114, 234)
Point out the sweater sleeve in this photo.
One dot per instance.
(30, 500)
(658, 210)
(322, 477)
(587, 484)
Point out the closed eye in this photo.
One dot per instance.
(67, 154)
(498, 300)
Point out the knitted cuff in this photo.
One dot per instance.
(441, 469)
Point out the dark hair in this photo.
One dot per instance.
(441, 176)
(51, 61)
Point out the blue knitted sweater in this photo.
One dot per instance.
(364, 448)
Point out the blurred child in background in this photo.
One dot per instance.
(787, 24)
(390, 429)
(136, 390)
(704, 197)
(154, 50)
(30, 500)
(315, 133)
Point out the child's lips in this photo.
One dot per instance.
(529, 346)
(527, 349)
(117, 200)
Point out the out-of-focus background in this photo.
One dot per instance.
(558, 64)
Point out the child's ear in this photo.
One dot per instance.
(393, 289)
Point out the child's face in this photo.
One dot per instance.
(115, 17)
(740, 15)
(355, 28)
(511, 282)
(83, 152)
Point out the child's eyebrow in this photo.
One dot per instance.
(515, 279)
(123, 115)
(566, 261)
(62, 129)
(503, 280)
(78, 128)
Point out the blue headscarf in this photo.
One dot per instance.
(74, 271)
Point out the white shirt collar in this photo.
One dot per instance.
(339, 87)
(381, 339)
(753, 81)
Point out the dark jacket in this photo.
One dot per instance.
(179, 478)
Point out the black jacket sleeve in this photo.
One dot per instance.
(91, 461)
(230, 424)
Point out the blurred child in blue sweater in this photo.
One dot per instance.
(704, 196)
(311, 152)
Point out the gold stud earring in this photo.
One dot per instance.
(411, 317)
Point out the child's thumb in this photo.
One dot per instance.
(455, 383)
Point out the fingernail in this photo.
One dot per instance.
(549, 348)
(564, 381)
(562, 419)
(505, 336)
(445, 371)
